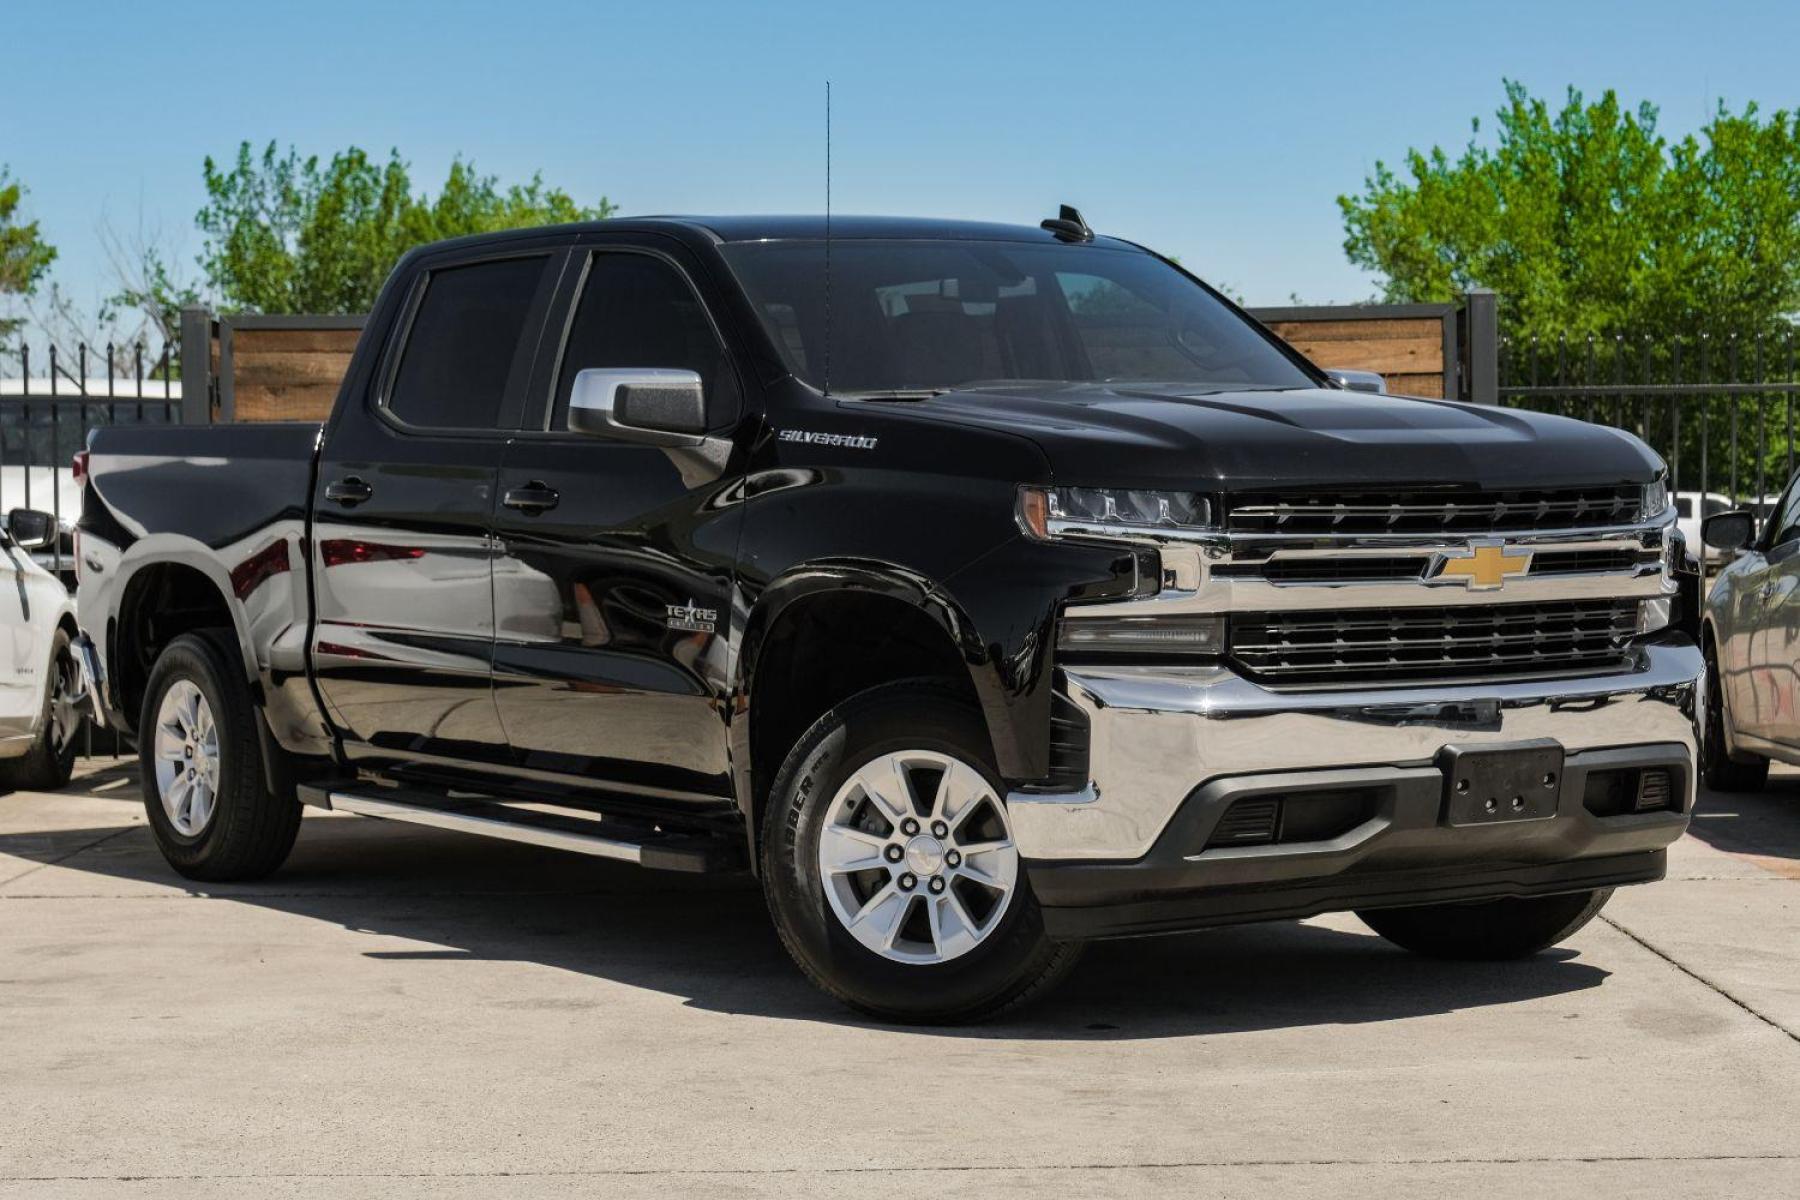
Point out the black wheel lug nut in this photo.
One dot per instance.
(908, 883)
(953, 858)
(909, 827)
(939, 829)
(893, 853)
(937, 885)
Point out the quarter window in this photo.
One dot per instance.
(466, 344)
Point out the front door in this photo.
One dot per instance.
(23, 648)
(1776, 644)
(402, 548)
(613, 582)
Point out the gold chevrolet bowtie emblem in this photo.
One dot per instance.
(1485, 568)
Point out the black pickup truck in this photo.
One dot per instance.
(985, 589)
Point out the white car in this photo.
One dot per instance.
(1691, 509)
(41, 690)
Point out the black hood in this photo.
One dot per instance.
(1135, 435)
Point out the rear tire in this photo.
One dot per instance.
(205, 792)
(51, 759)
(932, 943)
(1488, 931)
(1722, 772)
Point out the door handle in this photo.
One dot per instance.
(535, 497)
(348, 492)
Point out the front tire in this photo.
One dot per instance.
(1722, 772)
(889, 864)
(204, 789)
(51, 759)
(1488, 931)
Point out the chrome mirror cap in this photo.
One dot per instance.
(661, 406)
(1358, 381)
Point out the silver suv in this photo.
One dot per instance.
(1751, 634)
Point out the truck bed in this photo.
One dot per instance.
(216, 484)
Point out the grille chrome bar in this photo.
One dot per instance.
(1415, 566)
(1432, 643)
(1426, 512)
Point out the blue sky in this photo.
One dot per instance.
(1220, 133)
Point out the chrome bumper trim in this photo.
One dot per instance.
(1156, 734)
(87, 658)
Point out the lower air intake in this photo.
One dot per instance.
(1250, 822)
(1655, 791)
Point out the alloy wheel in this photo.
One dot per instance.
(916, 857)
(66, 699)
(187, 758)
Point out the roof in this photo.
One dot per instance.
(764, 228)
(768, 228)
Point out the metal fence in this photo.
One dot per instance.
(49, 400)
(1720, 410)
(48, 407)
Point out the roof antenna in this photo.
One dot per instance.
(828, 237)
(1068, 226)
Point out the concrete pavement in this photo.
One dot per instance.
(402, 1012)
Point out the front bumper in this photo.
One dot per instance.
(1170, 751)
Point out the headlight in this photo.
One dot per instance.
(1047, 513)
(1655, 498)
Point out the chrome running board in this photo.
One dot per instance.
(531, 824)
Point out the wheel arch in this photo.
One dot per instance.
(846, 625)
(1712, 680)
(192, 591)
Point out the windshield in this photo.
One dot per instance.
(922, 316)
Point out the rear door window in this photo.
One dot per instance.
(466, 352)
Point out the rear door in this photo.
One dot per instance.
(614, 576)
(402, 550)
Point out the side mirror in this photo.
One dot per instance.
(31, 529)
(658, 405)
(1358, 381)
(1728, 531)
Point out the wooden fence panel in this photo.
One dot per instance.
(283, 368)
(1412, 347)
(288, 368)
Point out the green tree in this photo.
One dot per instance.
(149, 287)
(287, 234)
(1587, 220)
(24, 255)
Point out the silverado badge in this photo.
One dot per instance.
(1484, 568)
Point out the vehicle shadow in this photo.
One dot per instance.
(1764, 823)
(708, 940)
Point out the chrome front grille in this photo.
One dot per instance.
(1420, 643)
(1434, 512)
(1396, 590)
